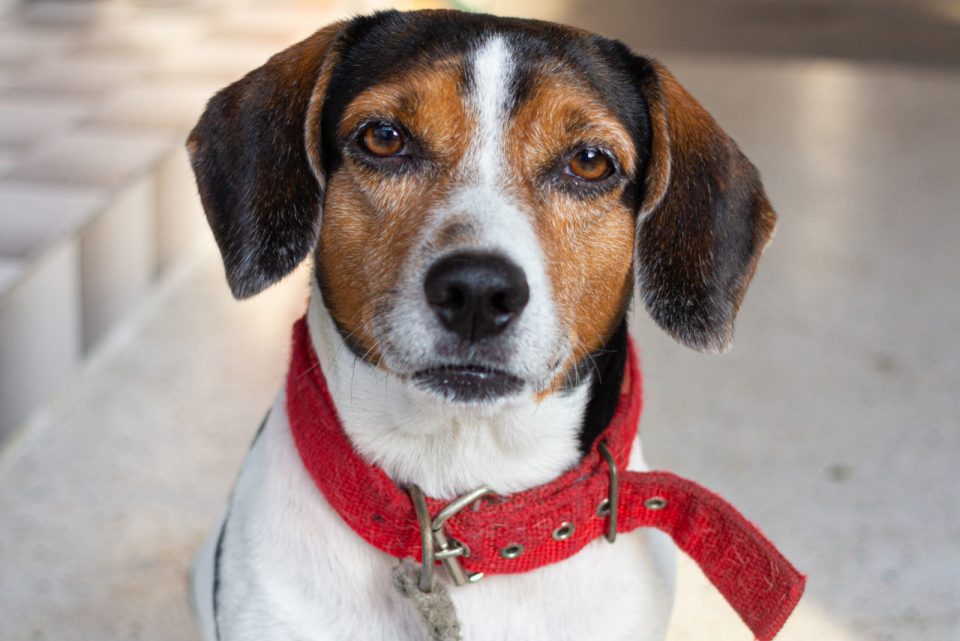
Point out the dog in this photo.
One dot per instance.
(482, 197)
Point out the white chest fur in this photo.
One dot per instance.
(290, 568)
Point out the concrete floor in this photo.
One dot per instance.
(834, 423)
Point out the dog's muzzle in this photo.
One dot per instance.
(476, 297)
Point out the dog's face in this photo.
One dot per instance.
(476, 204)
(489, 189)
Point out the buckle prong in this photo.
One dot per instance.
(614, 492)
(426, 538)
(435, 543)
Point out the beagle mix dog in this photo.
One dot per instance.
(481, 196)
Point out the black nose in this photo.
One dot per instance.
(476, 295)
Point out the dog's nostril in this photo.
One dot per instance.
(510, 300)
(452, 297)
(500, 304)
(476, 295)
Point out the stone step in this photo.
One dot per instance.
(97, 198)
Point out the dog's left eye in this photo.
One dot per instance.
(590, 164)
(381, 139)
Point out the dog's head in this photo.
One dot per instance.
(481, 193)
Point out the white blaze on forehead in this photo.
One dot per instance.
(492, 70)
(502, 224)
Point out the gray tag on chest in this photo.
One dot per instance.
(435, 607)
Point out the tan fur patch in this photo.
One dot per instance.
(588, 243)
(372, 220)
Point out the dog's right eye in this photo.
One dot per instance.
(381, 139)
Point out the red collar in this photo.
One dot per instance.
(758, 582)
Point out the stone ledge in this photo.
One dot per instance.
(79, 75)
(40, 343)
(20, 46)
(166, 104)
(96, 195)
(11, 271)
(8, 159)
(27, 120)
(93, 156)
(38, 216)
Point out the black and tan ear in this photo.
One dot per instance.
(703, 222)
(257, 163)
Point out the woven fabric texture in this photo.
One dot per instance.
(758, 582)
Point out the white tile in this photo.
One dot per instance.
(79, 74)
(95, 157)
(8, 159)
(118, 258)
(23, 45)
(35, 216)
(283, 24)
(158, 33)
(28, 120)
(39, 335)
(220, 58)
(181, 223)
(176, 105)
(75, 14)
(11, 269)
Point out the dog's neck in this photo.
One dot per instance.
(448, 453)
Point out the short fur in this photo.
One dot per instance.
(490, 110)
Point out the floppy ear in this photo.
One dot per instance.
(703, 222)
(255, 153)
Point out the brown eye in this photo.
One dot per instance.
(382, 139)
(590, 164)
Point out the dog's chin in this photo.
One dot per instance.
(467, 385)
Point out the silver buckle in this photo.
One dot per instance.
(612, 501)
(435, 543)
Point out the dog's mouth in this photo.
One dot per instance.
(467, 383)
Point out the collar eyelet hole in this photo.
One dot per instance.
(655, 503)
(564, 532)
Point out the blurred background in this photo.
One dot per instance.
(131, 383)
